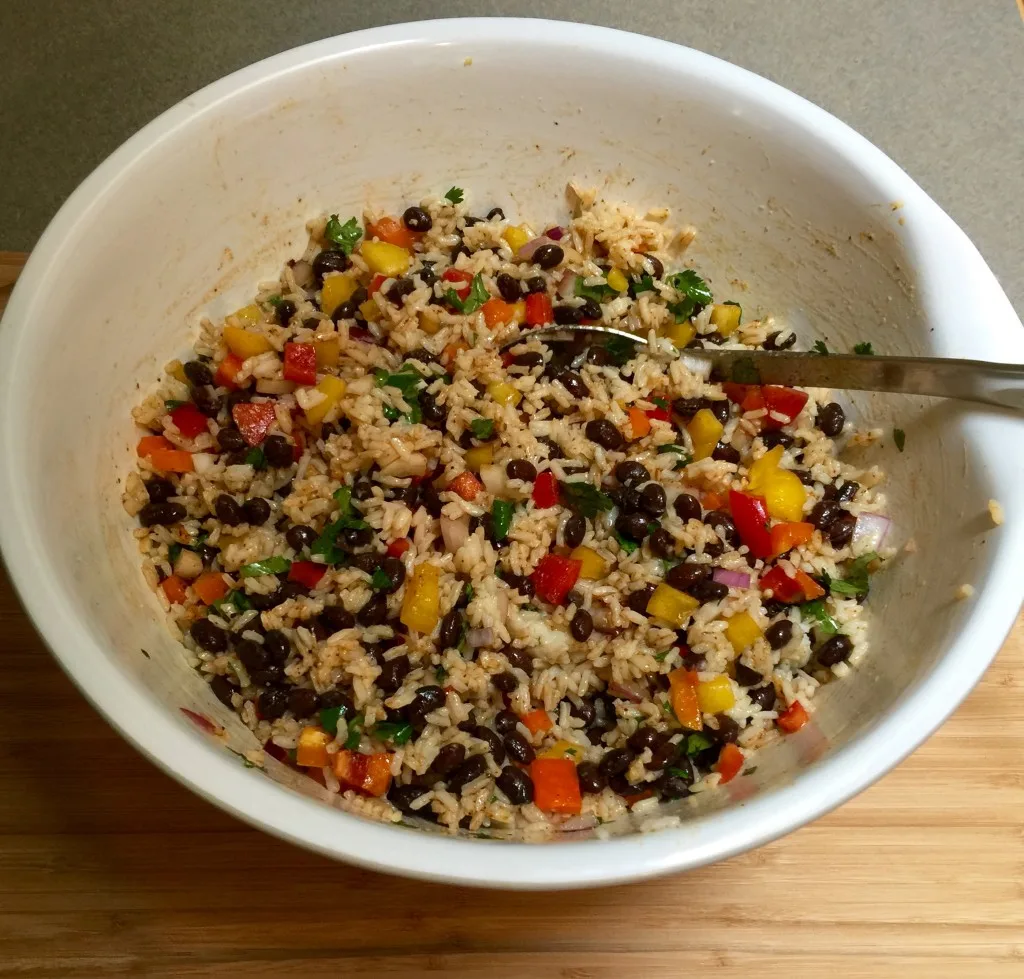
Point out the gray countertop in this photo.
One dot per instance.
(934, 83)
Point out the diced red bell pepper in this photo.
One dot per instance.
(300, 445)
(370, 774)
(461, 281)
(227, 372)
(254, 419)
(375, 283)
(175, 589)
(729, 763)
(393, 231)
(554, 577)
(545, 489)
(189, 420)
(659, 414)
(787, 402)
(556, 785)
(539, 309)
(786, 536)
(747, 396)
(466, 485)
(398, 547)
(750, 514)
(793, 717)
(307, 573)
(300, 363)
(800, 588)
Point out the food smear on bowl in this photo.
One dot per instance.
(503, 592)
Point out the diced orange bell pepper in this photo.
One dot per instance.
(210, 587)
(538, 721)
(369, 774)
(729, 763)
(683, 694)
(227, 371)
(714, 501)
(793, 717)
(466, 485)
(556, 785)
(311, 751)
(497, 311)
(639, 423)
(786, 536)
(164, 455)
(451, 351)
(810, 587)
(174, 588)
(393, 231)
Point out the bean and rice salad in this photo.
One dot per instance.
(507, 592)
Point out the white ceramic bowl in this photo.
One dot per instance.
(211, 197)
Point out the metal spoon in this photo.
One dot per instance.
(938, 377)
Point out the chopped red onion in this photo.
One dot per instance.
(731, 579)
(493, 478)
(585, 820)
(870, 532)
(555, 233)
(454, 532)
(633, 692)
(567, 285)
(479, 637)
(531, 246)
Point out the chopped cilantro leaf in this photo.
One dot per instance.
(596, 292)
(440, 674)
(643, 283)
(619, 350)
(391, 413)
(346, 236)
(586, 498)
(482, 428)
(660, 402)
(380, 580)
(270, 565)
(864, 349)
(392, 732)
(256, 458)
(171, 403)
(355, 732)
(455, 195)
(692, 286)
(899, 437)
(820, 348)
(236, 599)
(816, 610)
(856, 580)
(274, 301)
(627, 545)
(468, 591)
(173, 551)
(343, 497)
(476, 297)
(696, 743)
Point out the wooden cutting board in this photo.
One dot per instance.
(109, 868)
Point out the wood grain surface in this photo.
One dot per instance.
(108, 868)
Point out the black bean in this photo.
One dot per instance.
(614, 762)
(627, 499)
(375, 611)
(574, 531)
(270, 676)
(590, 310)
(574, 384)
(590, 778)
(831, 419)
(399, 290)
(672, 786)
(434, 415)
(284, 311)
(506, 682)
(302, 702)
(824, 514)
(534, 284)
(725, 453)
(208, 636)
(728, 730)
(631, 473)
(227, 510)
(252, 655)
(521, 469)
(709, 590)
(773, 607)
(393, 672)
(652, 499)
(356, 536)
(448, 759)
(505, 722)
(641, 738)
(840, 533)
(256, 511)
(772, 341)
(417, 219)
(632, 525)
(662, 543)
(300, 536)
(720, 409)
(509, 287)
(567, 315)
(714, 549)
(334, 618)
(845, 493)
(549, 256)
(554, 449)
(775, 438)
(278, 451)
(518, 658)
(495, 214)
(778, 634)
(582, 625)
(517, 786)
(605, 434)
(198, 373)
(403, 796)
(429, 699)
(207, 553)
(230, 440)
(638, 599)
(451, 630)
(472, 768)
(222, 690)
(494, 743)
(345, 311)
(723, 525)
(687, 507)
(530, 359)
(662, 753)
(747, 677)
(684, 576)
(272, 703)
(161, 514)
(206, 401)
(367, 563)
(329, 260)
(653, 265)
(160, 490)
(521, 583)
(276, 646)
(764, 696)
(286, 591)
(834, 650)
(518, 748)
(395, 570)
(688, 407)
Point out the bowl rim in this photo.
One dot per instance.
(198, 763)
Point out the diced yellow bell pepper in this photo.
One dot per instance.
(479, 456)
(593, 567)
(742, 631)
(328, 352)
(679, 333)
(715, 696)
(311, 751)
(430, 322)
(562, 749)
(370, 310)
(384, 258)
(421, 602)
(671, 605)
(516, 236)
(177, 370)
(244, 343)
(338, 289)
(617, 281)
(705, 431)
(725, 317)
(248, 315)
(762, 469)
(504, 394)
(332, 388)
(783, 493)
